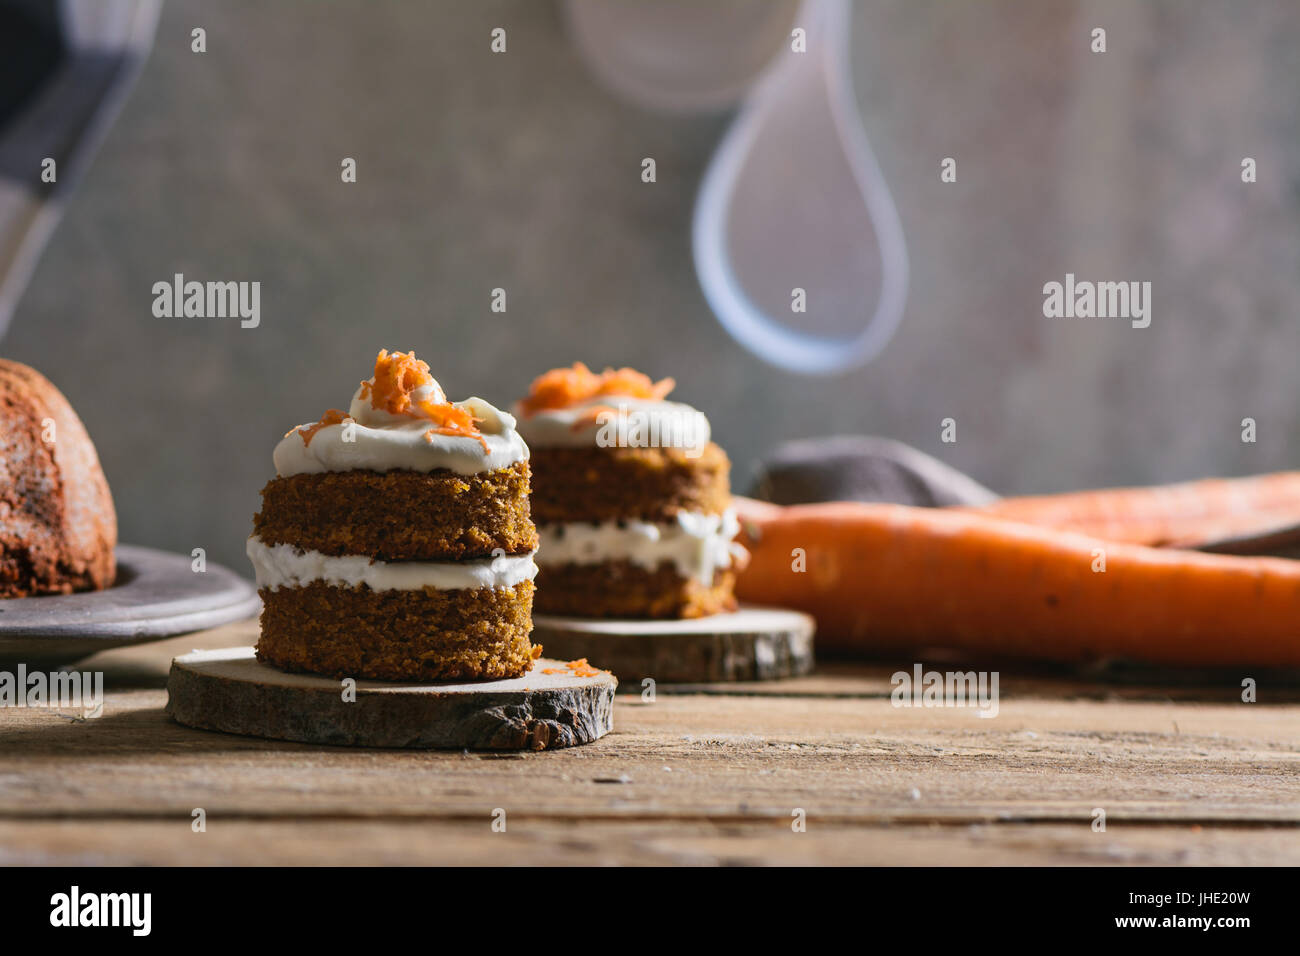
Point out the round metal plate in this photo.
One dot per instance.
(157, 595)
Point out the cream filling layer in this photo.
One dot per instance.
(698, 545)
(284, 566)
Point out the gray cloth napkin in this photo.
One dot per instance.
(862, 468)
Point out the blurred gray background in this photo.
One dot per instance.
(478, 170)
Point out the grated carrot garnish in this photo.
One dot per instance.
(397, 375)
(331, 417)
(565, 387)
(578, 668)
(471, 432)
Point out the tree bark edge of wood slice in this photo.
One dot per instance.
(752, 644)
(230, 691)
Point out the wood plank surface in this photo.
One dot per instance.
(1185, 774)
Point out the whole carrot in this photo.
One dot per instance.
(894, 578)
(1188, 514)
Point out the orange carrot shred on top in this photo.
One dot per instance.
(331, 417)
(459, 432)
(397, 375)
(565, 387)
(452, 420)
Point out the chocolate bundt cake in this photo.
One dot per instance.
(57, 524)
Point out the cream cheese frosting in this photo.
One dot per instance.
(697, 545)
(284, 566)
(625, 422)
(377, 440)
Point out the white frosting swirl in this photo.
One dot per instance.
(377, 440)
(284, 566)
(634, 423)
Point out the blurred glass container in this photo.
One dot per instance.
(798, 245)
(679, 55)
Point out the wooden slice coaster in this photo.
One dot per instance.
(754, 643)
(231, 691)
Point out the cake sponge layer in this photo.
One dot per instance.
(605, 484)
(425, 635)
(623, 589)
(400, 515)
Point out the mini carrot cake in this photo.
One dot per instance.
(632, 499)
(395, 541)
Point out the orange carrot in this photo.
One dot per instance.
(890, 578)
(1182, 515)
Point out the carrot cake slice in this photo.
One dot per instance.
(631, 497)
(395, 541)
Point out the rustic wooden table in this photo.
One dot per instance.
(714, 775)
